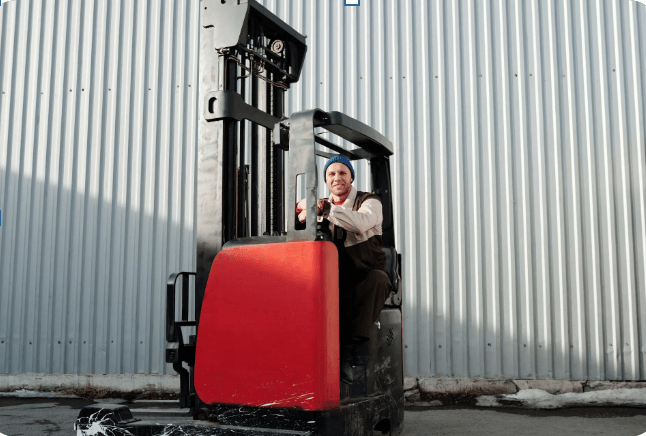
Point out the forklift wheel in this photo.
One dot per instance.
(203, 414)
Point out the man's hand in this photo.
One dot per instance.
(301, 205)
(301, 209)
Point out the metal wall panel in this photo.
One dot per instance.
(519, 173)
(98, 135)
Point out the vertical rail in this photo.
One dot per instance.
(241, 204)
(185, 283)
(258, 161)
(278, 166)
(230, 149)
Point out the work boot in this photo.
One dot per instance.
(346, 364)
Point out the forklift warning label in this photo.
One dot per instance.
(352, 2)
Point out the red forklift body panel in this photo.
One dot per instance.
(269, 327)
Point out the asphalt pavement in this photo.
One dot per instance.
(52, 416)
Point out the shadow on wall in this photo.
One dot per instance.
(85, 252)
(97, 163)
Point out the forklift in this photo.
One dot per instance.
(265, 359)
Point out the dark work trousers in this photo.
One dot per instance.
(361, 298)
(362, 294)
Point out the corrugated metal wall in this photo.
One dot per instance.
(519, 128)
(97, 175)
(520, 135)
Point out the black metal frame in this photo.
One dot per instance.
(177, 351)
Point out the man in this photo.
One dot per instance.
(355, 225)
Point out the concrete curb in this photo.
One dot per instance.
(424, 392)
(459, 386)
(604, 385)
(116, 382)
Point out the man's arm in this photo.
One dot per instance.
(360, 221)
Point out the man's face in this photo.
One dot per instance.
(338, 178)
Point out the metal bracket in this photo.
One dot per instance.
(220, 105)
(229, 18)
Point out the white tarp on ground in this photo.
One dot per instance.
(539, 399)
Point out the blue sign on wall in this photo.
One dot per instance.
(352, 2)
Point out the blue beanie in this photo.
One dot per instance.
(340, 159)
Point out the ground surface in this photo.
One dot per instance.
(43, 416)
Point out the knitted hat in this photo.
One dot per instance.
(340, 159)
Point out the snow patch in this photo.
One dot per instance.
(24, 393)
(539, 399)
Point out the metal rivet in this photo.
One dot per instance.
(440, 346)
(70, 342)
(626, 344)
(141, 342)
(405, 346)
(571, 346)
(489, 345)
(59, 342)
(611, 345)
(84, 342)
(2, 342)
(524, 345)
(30, 343)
